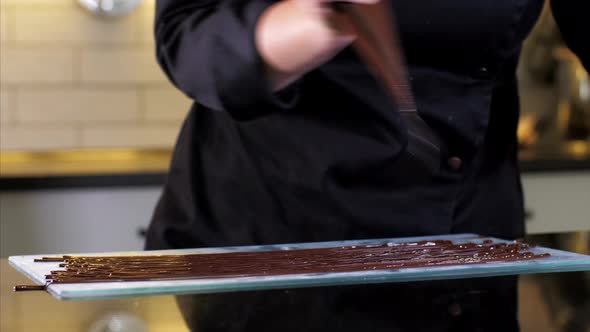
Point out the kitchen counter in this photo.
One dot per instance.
(136, 168)
(550, 156)
(83, 169)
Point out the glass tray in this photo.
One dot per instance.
(559, 261)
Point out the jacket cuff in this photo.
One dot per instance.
(244, 88)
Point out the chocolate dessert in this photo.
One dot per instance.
(386, 256)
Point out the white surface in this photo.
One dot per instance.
(57, 221)
(559, 202)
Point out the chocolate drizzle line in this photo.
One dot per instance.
(386, 256)
(24, 288)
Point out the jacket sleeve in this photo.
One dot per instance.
(207, 50)
(573, 19)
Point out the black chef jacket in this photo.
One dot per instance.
(325, 159)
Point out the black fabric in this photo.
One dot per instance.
(326, 159)
(572, 18)
(484, 305)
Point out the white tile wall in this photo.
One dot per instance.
(6, 107)
(5, 20)
(38, 138)
(69, 25)
(77, 105)
(71, 80)
(28, 3)
(32, 66)
(141, 136)
(134, 66)
(165, 104)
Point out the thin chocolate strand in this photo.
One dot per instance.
(25, 288)
(387, 256)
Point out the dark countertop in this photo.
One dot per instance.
(552, 165)
(141, 168)
(556, 157)
(83, 169)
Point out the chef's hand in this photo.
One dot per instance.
(296, 36)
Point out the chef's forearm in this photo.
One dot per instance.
(292, 41)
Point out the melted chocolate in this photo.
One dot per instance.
(387, 256)
(24, 288)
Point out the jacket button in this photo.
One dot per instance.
(482, 73)
(455, 163)
(455, 310)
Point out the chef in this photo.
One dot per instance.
(292, 139)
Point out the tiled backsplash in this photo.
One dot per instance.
(70, 80)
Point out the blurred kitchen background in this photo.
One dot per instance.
(71, 80)
(87, 121)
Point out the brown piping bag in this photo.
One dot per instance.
(378, 44)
